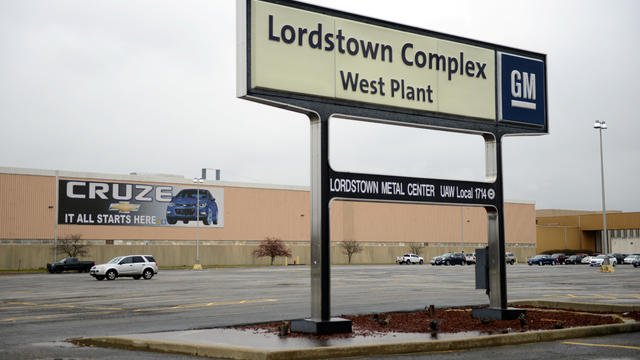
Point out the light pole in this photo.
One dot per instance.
(55, 224)
(601, 125)
(197, 181)
(462, 221)
(462, 228)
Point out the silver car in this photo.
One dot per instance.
(598, 260)
(629, 259)
(135, 266)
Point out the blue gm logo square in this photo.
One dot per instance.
(521, 90)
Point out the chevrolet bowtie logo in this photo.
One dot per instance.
(124, 207)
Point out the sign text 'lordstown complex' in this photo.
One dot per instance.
(313, 53)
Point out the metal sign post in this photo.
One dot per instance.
(327, 63)
(321, 321)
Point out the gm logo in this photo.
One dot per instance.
(523, 86)
(521, 90)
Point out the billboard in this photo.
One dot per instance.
(83, 202)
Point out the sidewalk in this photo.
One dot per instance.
(251, 344)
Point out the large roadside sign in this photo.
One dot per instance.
(296, 49)
(327, 63)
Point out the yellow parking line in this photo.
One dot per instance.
(603, 345)
(597, 296)
(66, 306)
(198, 305)
(37, 317)
(142, 296)
(606, 297)
(102, 308)
(166, 300)
(40, 317)
(107, 309)
(153, 299)
(60, 306)
(18, 303)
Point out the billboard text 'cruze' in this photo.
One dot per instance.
(183, 207)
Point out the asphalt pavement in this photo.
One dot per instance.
(38, 312)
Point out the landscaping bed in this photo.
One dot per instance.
(456, 320)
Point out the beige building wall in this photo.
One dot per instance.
(562, 237)
(27, 206)
(251, 213)
(405, 223)
(564, 212)
(614, 221)
(36, 256)
(580, 231)
(27, 212)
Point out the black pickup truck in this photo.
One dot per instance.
(70, 264)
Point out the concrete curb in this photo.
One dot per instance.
(578, 306)
(233, 352)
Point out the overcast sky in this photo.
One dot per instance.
(149, 86)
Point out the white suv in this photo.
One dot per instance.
(135, 266)
(410, 259)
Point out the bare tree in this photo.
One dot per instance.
(272, 247)
(416, 248)
(72, 246)
(350, 248)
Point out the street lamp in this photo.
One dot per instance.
(601, 125)
(462, 221)
(197, 181)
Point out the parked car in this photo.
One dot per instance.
(410, 259)
(541, 260)
(636, 262)
(135, 266)
(619, 257)
(598, 260)
(559, 258)
(575, 259)
(587, 259)
(629, 259)
(471, 258)
(509, 258)
(68, 264)
(449, 259)
(183, 207)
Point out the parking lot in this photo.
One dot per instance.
(38, 311)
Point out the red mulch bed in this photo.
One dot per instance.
(456, 320)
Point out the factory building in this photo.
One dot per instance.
(115, 215)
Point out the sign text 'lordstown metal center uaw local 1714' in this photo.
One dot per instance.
(297, 49)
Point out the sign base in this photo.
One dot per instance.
(607, 268)
(333, 326)
(497, 313)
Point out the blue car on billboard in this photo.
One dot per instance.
(183, 207)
